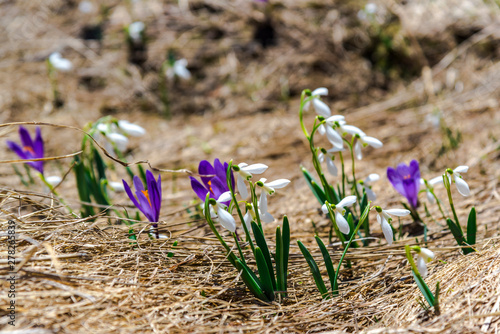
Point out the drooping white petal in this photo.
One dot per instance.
(321, 108)
(278, 184)
(120, 140)
(342, 223)
(386, 229)
(422, 266)
(320, 91)
(266, 217)
(321, 129)
(332, 169)
(60, 63)
(242, 188)
(226, 219)
(324, 209)
(357, 150)
(131, 128)
(263, 201)
(334, 137)
(373, 142)
(436, 180)
(307, 105)
(349, 200)
(116, 186)
(180, 69)
(53, 180)
(321, 156)
(372, 178)
(430, 197)
(135, 29)
(352, 130)
(462, 186)
(255, 168)
(370, 194)
(427, 254)
(398, 212)
(224, 197)
(461, 169)
(247, 218)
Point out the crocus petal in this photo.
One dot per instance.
(422, 267)
(38, 143)
(411, 188)
(414, 169)
(278, 184)
(342, 223)
(206, 168)
(199, 189)
(396, 180)
(242, 188)
(320, 91)
(226, 219)
(462, 186)
(349, 200)
(461, 169)
(130, 195)
(321, 108)
(25, 137)
(217, 187)
(220, 171)
(17, 149)
(131, 128)
(332, 169)
(138, 183)
(398, 212)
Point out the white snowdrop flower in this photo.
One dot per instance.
(424, 256)
(117, 187)
(264, 215)
(60, 63)
(53, 180)
(131, 128)
(328, 155)
(363, 141)
(329, 127)
(223, 216)
(371, 8)
(339, 211)
(179, 69)
(319, 106)
(245, 172)
(135, 30)
(384, 220)
(462, 186)
(432, 183)
(366, 185)
(85, 7)
(270, 187)
(119, 140)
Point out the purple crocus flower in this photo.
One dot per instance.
(31, 149)
(148, 201)
(216, 184)
(406, 180)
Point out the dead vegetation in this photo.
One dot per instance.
(82, 275)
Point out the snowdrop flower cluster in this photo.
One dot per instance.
(59, 63)
(115, 133)
(339, 211)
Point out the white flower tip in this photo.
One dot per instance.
(320, 91)
(461, 169)
(324, 209)
(53, 180)
(131, 128)
(116, 186)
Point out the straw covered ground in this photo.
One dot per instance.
(429, 94)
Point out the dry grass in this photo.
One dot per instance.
(84, 276)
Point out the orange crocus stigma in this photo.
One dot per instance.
(29, 149)
(145, 192)
(210, 187)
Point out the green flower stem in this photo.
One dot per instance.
(411, 261)
(447, 185)
(317, 165)
(339, 234)
(255, 204)
(343, 174)
(361, 220)
(235, 202)
(351, 144)
(59, 198)
(239, 247)
(303, 101)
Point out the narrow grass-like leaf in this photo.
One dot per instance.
(366, 224)
(320, 284)
(264, 272)
(251, 281)
(471, 227)
(424, 288)
(261, 242)
(99, 164)
(278, 258)
(142, 173)
(286, 248)
(315, 188)
(328, 264)
(83, 190)
(456, 231)
(350, 221)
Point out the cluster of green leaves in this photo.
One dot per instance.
(271, 280)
